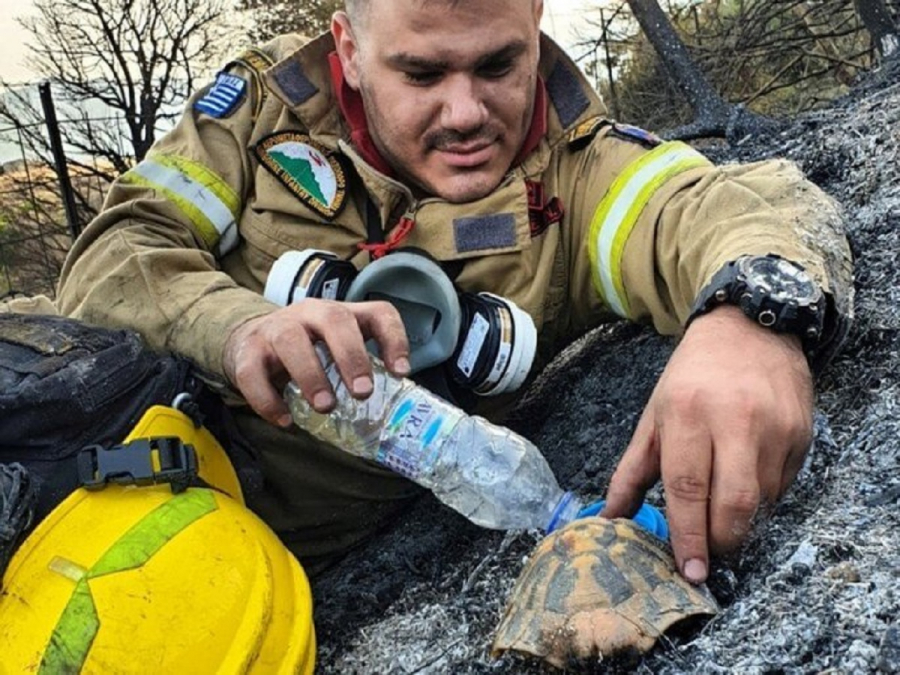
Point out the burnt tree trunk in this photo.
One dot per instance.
(878, 21)
(713, 115)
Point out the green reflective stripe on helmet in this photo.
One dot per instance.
(73, 635)
(77, 627)
(153, 531)
(619, 210)
(205, 198)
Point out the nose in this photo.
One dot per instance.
(464, 108)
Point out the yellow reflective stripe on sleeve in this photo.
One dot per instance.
(619, 210)
(207, 200)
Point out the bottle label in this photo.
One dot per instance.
(416, 430)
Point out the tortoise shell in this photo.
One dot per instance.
(597, 587)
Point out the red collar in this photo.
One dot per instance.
(538, 123)
(351, 105)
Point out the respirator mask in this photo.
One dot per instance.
(484, 343)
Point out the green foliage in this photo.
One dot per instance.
(271, 17)
(778, 58)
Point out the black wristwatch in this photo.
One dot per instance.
(775, 292)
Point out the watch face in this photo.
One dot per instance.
(781, 280)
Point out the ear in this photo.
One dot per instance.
(346, 47)
(538, 11)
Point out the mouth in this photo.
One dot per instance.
(469, 154)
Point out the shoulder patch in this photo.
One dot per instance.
(631, 133)
(566, 93)
(585, 132)
(295, 85)
(310, 171)
(256, 61)
(223, 96)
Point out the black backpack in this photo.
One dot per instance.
(65, 385)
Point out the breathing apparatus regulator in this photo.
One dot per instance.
(485, 343)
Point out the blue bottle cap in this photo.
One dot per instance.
(566, 511)
(648, 517)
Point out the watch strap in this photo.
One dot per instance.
(807, 320)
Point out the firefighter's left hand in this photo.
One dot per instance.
(727, 428)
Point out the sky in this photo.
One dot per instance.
(12, 41)
(560, 16)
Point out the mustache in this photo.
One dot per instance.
(443, 138)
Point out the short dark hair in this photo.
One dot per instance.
(356, 9)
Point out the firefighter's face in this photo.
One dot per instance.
(448, 86)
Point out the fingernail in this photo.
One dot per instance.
(285, 420)
(323, 400)
(401, 366)
(695, 571)
(362, 386)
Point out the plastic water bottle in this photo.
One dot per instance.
(489, 474)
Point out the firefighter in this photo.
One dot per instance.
(457, 129)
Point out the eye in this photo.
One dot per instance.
(494, 70)
(422, 78)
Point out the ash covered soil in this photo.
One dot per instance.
(816, 588)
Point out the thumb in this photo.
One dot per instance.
(637, 472)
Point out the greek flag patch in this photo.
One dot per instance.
(222, 98)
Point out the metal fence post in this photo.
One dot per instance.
(59, 159)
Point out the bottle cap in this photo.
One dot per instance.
(648, 517)
(565, 512)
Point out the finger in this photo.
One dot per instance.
(803, 435)
(793, 463)
(686, 463)
(337, 326)
(637, 472)
(381, 321)
(782, 455)
(300, 360)
(735, 491)
(253, 379)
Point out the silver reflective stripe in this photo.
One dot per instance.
(619, 210)
(197, 195)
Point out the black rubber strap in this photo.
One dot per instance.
(374, 230)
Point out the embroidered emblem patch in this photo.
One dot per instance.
(309, 170)
(636, 134)
(223, 97)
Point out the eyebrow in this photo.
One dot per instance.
(403, 60)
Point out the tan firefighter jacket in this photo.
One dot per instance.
(598, 221)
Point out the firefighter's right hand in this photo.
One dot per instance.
(264, 353)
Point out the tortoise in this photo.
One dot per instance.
(596, 588)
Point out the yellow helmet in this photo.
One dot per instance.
(133, 579)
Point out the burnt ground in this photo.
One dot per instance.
(816, 588)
